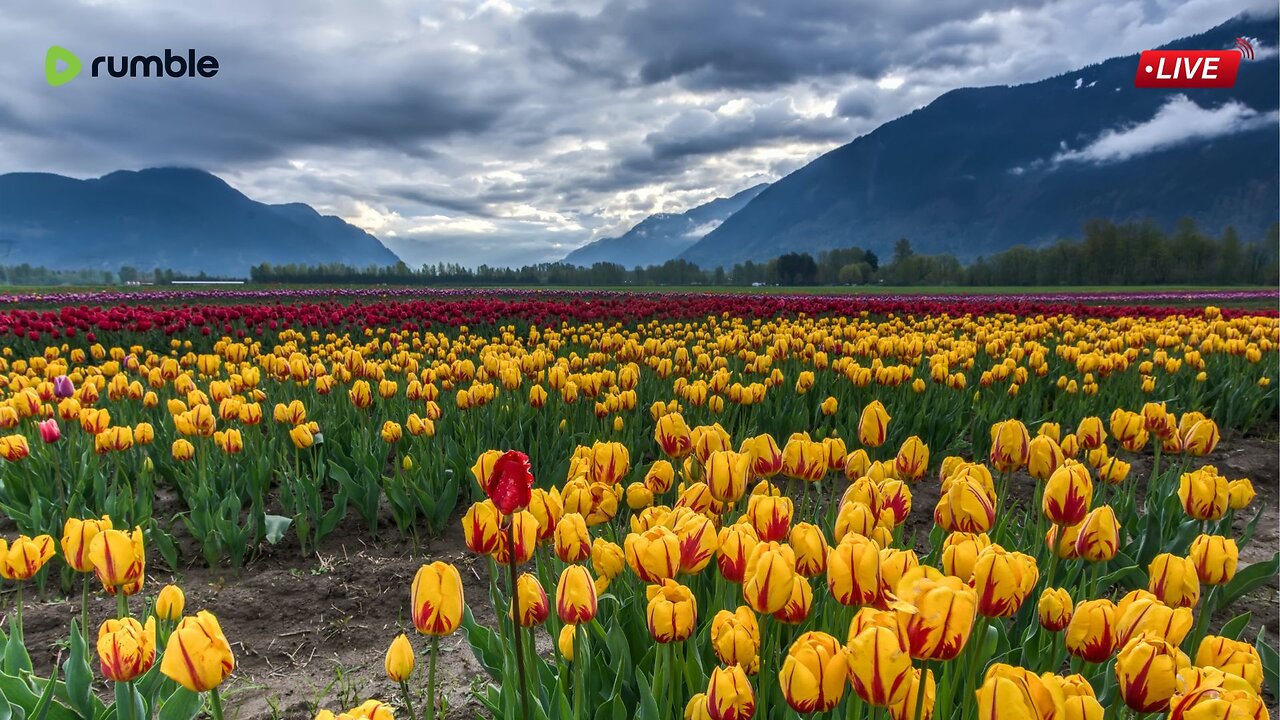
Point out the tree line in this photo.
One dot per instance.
(1131, 253)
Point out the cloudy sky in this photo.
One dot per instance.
(512, 131)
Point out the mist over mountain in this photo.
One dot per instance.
(661, 237)
(980, 170)
(182, 219)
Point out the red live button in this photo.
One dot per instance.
(1187, 69)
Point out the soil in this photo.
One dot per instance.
(312, 632)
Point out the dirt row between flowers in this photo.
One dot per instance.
(311, 632)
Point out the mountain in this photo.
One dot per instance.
(982, 169)
(659, 238)
(186, 220)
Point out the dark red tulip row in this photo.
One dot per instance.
(177, 315)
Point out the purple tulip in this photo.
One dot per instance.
(62, 387)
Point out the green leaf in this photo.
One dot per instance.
(1248, 580)
(485, 644)
(276, 527)
(648, 706)
(80, 675)
(1236, 625)
(1270, 662)
(16, 658)
(164, 543)
(181, 705)
(1131, 576)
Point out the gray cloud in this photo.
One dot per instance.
(514, 130)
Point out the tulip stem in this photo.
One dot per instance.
(515, 626)
(84, 605)
(431, 678)
(408, 699)
(122, 603)
(924, 681)
(124, 701)
(216, 700)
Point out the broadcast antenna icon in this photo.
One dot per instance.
(1245, 47)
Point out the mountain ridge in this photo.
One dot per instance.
(183, 219)
(661, 236)
(998, 168)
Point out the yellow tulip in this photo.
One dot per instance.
(572, 539)
(1231, 656)
(399, 660)
(734, 547)
(119, 560)
(1240, 493)
(1147, 671)
(1201, 438)
(660, 478)
(1091, 433)
(198, 656)
(770, 516)
(853, 571)
(1173, 579)
(673, 436)
(547, 508)
(811, 549)
(531, 607)
(576, 595)
(766, 457)
(829, 406)
(607, 559)
(729, 694)
(873, 425)
(1091, 634)
(1010, 445)
(126, 648)
(1098, 538)
(726, 475)
(654, 555)
(1055, 609)
(610, 462)
(906, 709)
(564, 642)
(1068, 494)
(170, 603)
(183, 450)
(1045, 457)
(436, 599)
(813, 673)
(1014, 692)
(804, 459)
(481, 527)
(935, 613)
(879, 665)
(735, 638)
(1214, 703)
(1079, 700)
(769, 577)
(960, 552)
(672, 614)
(912, 460)
(77, 535)
(1003, 581)
(1215, 558)
(1204, 493)
(1141, 612)
(965, 506)
(524, 529)
(391, 432)
(1129, 429)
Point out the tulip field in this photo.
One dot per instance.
(389, 503)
